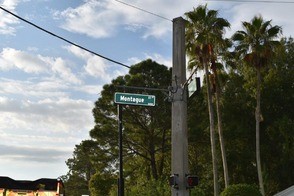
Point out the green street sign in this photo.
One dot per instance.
(134, 99)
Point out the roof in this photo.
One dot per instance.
(287, 192)
(45, 183)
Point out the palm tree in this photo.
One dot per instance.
(204, 33)
(216, 67)
(256, 46)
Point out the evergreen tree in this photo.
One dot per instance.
(146, 130)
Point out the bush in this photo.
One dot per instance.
(101, 184)
(149, 188)
(241, 190)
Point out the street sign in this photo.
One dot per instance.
(134, 99)
(194, 86)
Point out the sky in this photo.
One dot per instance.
(48, 87)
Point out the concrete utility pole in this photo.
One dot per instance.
(179, 110)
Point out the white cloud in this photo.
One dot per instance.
(9, 4)
(155, 57)
(101, 19)
(90, 18)
(95, 66)
(90, 89)
(60, 67)
(44, 121)
(6, 20)
(279, 13)
(160, 59)
(29, 163)
(15, 59)
(38, 89)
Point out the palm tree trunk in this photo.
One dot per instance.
(220, 130)
(212, 131)
(257, 128)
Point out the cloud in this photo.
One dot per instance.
(15, 59)
(9, 4)
(95, 66)
(90, 89)
(160, 59)
(100, 19)
(60, 67)
(38, 136)
(60, 116)
(11, 58)
(6, 20)
(34, 88)
(90, 18)
(54, 124)
(29, 154)
(155, 57)
(279, 13)
(51, 77)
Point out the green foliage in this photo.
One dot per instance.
(197, 192)
(199, 143)
(101, 184)
(204, 42)
(241, 190)
(75, 185)
(239, 130)
(278, 121)
(147, 161)
(150, 188)
(142, 187)
(146, 135)
(256, 44)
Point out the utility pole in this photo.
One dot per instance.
(179, 111)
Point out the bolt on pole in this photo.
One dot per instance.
(179, 109)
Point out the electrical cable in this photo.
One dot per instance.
(143, 10)
(66, 40)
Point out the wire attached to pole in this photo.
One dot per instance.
(66, 40)
(143, 10)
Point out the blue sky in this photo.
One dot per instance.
(48, 87)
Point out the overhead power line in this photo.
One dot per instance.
(66, 40)
(256, 1)
(138, 8)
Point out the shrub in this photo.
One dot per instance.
(241, 190)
